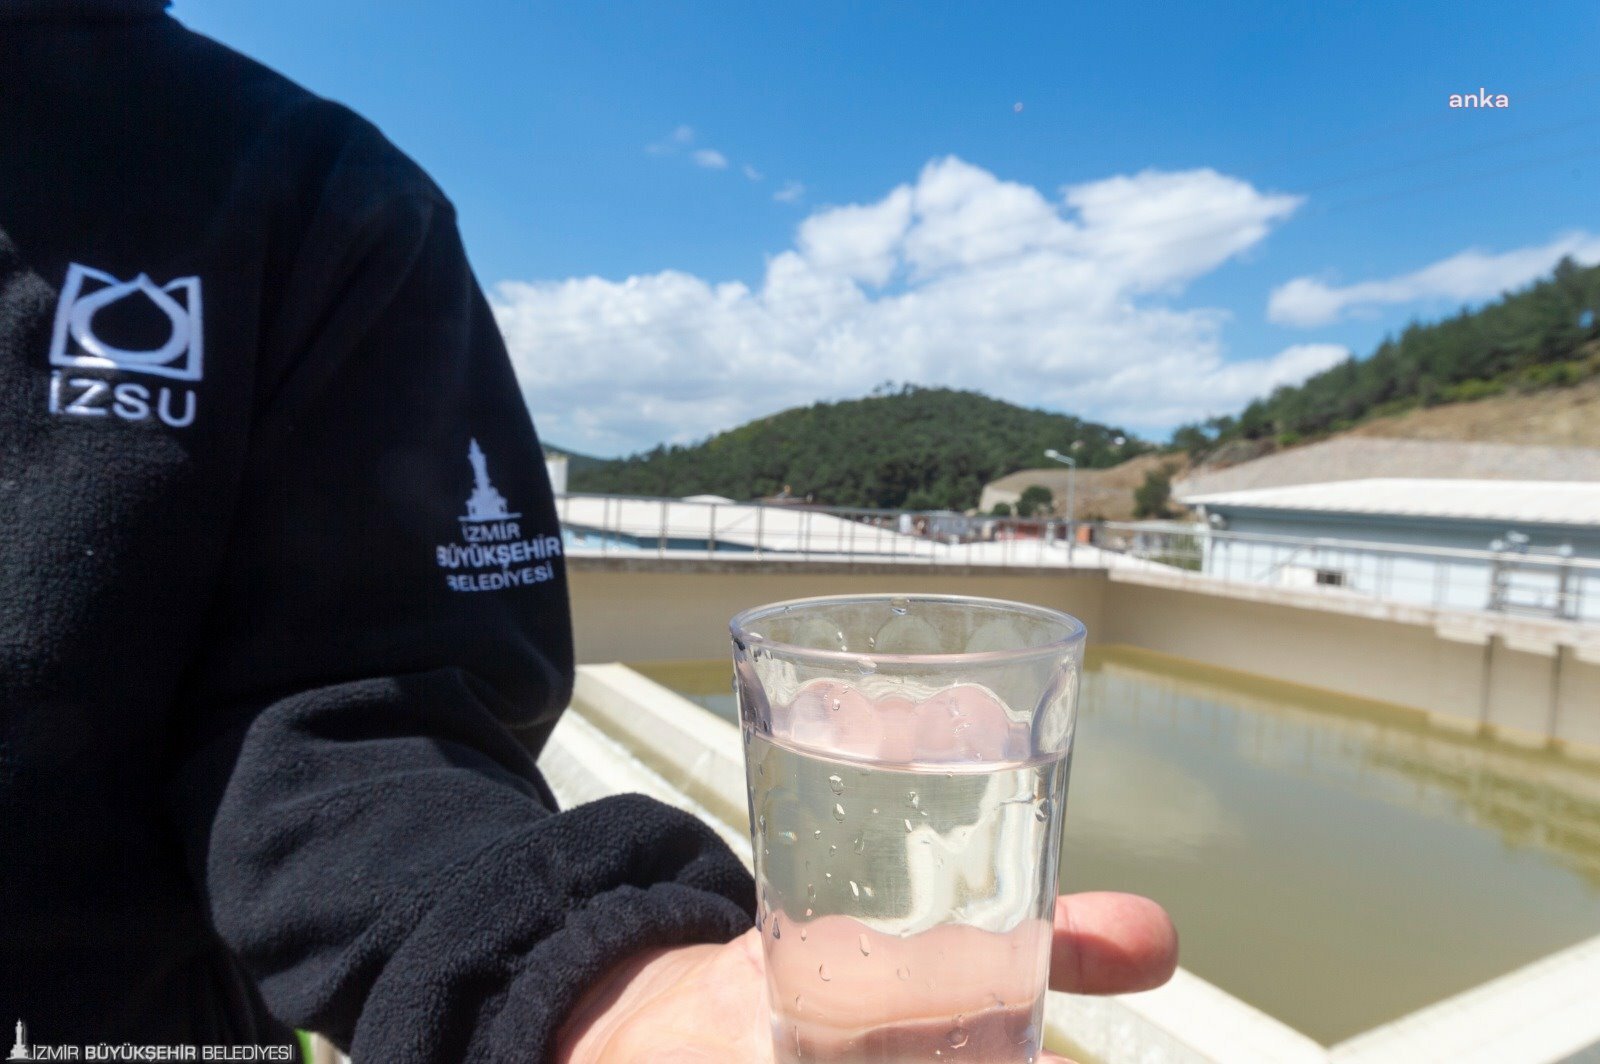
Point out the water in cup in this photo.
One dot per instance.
(920, 874)
(907, 761)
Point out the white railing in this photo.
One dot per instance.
(643, 525)
(1501, 581)
(1548, 584)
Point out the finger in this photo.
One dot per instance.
(1109, 943)
(1051, 1058)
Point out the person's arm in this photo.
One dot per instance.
(389, 641)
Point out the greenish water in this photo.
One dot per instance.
(1334, 863)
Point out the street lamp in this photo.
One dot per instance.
(1072, 489)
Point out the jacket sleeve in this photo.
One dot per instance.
(389, 646)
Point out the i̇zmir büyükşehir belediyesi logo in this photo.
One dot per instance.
(19, 1048)
(164, 337)
(493, 552)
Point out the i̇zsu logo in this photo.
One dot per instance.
(107, 329)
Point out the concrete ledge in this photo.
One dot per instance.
(1546, 1012)
(693, 751)
(1533, 635)
(582, 764)
(1185, 1022)
(768, 562)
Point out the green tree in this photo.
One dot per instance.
(1512, 342)
(903, 446)
(1150, 499)
(1001, 509)
(1036, 499)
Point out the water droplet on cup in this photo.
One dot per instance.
(836, 784)
(1042, 813)
(797, 1003)
(908, 825)
(866, 949)
(786, 836)
(866, 665)
(903, 972)
(836, 705)
(854, 889)
(777, 932)
(838, 811)
(911, 796)
(822, 973)
(859, 844)
(898, 606)
(957, 1036)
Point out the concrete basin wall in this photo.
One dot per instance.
(1526, 679)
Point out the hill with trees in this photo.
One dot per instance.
(912, 447)
(1546, 335)
(577, 464)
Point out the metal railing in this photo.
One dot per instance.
(667, 527)
(1549, 584)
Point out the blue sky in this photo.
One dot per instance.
(1258, 187)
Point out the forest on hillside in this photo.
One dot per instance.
(1539, 337)
(906, 446)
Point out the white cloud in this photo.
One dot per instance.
(710, 158)
(1464, 277)
(790, 192)
(679, 138)
(957, 278)
(752, 173)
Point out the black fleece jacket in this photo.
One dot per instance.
(283, 613)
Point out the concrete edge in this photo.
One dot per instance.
(1530, 634)
(744, 563)
(693, 750)
(583, 764)
(1539, 1014)
(1188, 1020)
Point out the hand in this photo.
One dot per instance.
(709, 1003)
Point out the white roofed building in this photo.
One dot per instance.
(1517, 538)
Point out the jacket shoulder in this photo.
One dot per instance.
(303, 140)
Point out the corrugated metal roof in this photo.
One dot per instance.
(1548, 502)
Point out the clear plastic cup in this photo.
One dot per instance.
(907, 760)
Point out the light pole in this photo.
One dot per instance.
(1072, 490)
